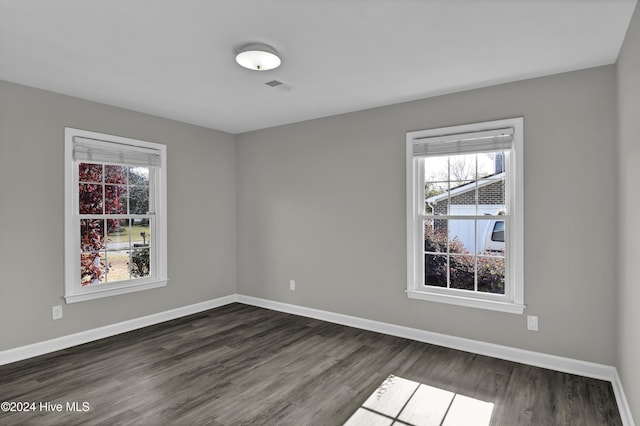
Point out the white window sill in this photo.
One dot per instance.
(493, 305)
(106, 292)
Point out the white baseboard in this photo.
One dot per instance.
(621, 399)
(64, 342)
(553, 362)
(537, 359)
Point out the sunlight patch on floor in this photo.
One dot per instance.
(399, 401)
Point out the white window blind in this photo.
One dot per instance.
(461, 143)
(98, 151)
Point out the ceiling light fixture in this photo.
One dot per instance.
(258, 57)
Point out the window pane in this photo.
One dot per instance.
(90, 199)
(435, 270)
(463, 198)
(491, 272)
(462, 236)
(490, 163)
(462, 272)
(490, 233)
(91, 235)
(462, 167)
(115, 199)
(140, 263)
(435, 235)
(88, 172)
(436, 169)
(92, 257)
(140, 235)
(91, 268)
(491, 197)
(139, 176)
(436, 197)
(138, 199)
(117, 234)
(117, 265)
(115, 174)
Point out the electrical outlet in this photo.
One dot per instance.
(532, 322)
(292, 285)
(56, 312)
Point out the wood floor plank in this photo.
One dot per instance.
(239, 364)
(364, 417)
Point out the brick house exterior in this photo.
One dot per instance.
(490, 192)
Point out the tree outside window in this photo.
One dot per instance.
(112, 202)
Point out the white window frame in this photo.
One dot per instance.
(73, 290)
(513, 299)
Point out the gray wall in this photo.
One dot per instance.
(629, 138)
(323, 202)
(201, 214)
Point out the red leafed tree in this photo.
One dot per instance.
(100, 192)
(92, 240)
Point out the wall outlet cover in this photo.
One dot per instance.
(56, 312)
(532, 322)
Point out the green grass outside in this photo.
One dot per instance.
(118, 266)
(123, 237)
(119, 269)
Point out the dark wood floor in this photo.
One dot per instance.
(244, 365)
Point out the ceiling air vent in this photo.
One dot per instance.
(278, 85)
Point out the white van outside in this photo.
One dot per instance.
(490, 232)
(494, 237)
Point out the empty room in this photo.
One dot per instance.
(280, 212)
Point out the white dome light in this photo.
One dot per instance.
(258, 57)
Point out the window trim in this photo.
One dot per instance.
(513, 300)
(73, 291)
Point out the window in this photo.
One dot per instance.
(465, 215)
(115, 215)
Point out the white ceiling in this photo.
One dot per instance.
(174, 58)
